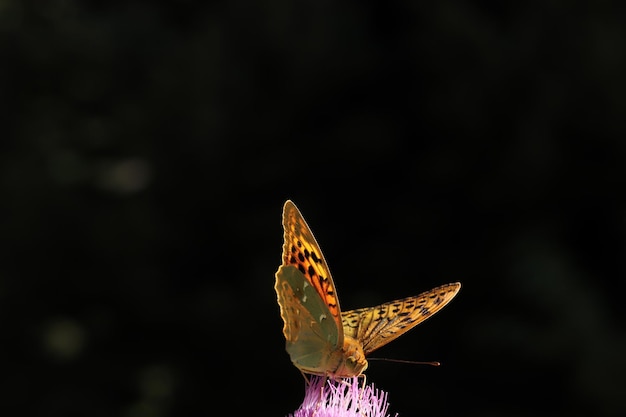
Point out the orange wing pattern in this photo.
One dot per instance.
(376, 326)
(301, 250)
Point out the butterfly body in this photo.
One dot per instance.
(320, 339)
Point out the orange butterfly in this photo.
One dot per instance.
(322, 340)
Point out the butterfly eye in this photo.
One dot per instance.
(355, 365)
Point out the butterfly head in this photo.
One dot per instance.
(353, 361)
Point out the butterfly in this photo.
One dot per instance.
(320, 338)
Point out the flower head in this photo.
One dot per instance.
(325, 397)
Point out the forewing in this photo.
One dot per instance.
(376, 326)
(302, 251)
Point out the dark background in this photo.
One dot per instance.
(147, 150)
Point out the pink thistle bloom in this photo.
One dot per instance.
(342, 398)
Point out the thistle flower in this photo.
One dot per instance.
(342, 398)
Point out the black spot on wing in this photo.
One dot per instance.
(352, 321)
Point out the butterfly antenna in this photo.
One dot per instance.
(431, 363)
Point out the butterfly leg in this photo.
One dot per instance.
(364, 379)
(362, 389)
(306, 380)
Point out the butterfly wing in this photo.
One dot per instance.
(307, 298)
(302, 251)
(376, 326)
(310, 332)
